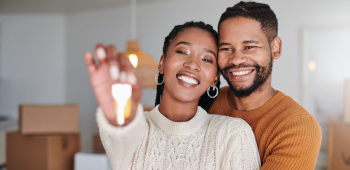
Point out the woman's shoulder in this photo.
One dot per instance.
(230, 130)
(147, 116)
(232, 124)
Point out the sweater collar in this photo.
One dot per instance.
(268, 106)
(179, 128)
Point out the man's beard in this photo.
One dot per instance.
(262, 73)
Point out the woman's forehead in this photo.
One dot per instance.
(196, 36)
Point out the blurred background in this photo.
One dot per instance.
(42, 43)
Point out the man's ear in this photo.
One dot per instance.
(216, 79)
(276, 48)
(161, 64)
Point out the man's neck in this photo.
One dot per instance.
(254, 101)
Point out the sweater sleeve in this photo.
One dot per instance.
(121, 143)
(295, 146)
(242, 151)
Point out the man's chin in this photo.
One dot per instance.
(240, 86)
(242, 92)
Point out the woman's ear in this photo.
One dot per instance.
(161, 64)
(216, 79)
(276, 47)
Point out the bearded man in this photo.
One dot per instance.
(288, 137)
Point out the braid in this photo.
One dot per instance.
(205, 101)
(159, 89)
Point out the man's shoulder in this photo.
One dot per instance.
(288, 107)
(289, 114)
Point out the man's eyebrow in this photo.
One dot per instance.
(224, 43)
(209, 51)
(183, 42)
(250, 42)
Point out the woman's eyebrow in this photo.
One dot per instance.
(209, 51)
(183, 42)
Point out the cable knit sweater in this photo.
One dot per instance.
(151, 141)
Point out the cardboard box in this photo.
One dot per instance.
(147, 108)
(97, 145)
(49, 119)
(41, 152)
(5, 125)
(91, 161)
(339, 146)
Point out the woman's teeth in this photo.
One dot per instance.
(188, 80)
(240, 73)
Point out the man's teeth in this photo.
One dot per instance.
(188, 80)
(240, 73)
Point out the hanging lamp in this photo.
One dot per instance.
(145, 65)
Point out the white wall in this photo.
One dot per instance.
(41, 55)
(154, 22)
(32, 61)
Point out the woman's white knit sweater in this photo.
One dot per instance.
(151, 141)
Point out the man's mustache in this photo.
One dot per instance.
(234, 66)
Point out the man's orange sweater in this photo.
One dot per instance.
(288, 137)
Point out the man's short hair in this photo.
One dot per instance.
(257, 11)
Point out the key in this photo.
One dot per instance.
(121, 94)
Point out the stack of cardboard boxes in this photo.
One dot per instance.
(97, 145)
(5, 125)
(48, 138)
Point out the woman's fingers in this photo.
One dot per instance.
(120, 68)
(100, 52)
(112, 53)
(127, 67)
(90, 62)
(129, 76)
(114, 71)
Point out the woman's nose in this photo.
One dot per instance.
(192, 64)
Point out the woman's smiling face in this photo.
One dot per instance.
(190, 65)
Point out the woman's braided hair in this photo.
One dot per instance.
(205, 101)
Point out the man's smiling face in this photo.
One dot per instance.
(244, 57)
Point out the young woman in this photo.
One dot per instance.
(177, 133)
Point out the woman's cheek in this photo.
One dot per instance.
(210, 73)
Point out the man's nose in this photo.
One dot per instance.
(238, 58)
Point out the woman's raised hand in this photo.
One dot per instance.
(113, 68)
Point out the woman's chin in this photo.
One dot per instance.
(187, 98)
(184, 94)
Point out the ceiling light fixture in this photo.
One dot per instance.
(145, 65)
